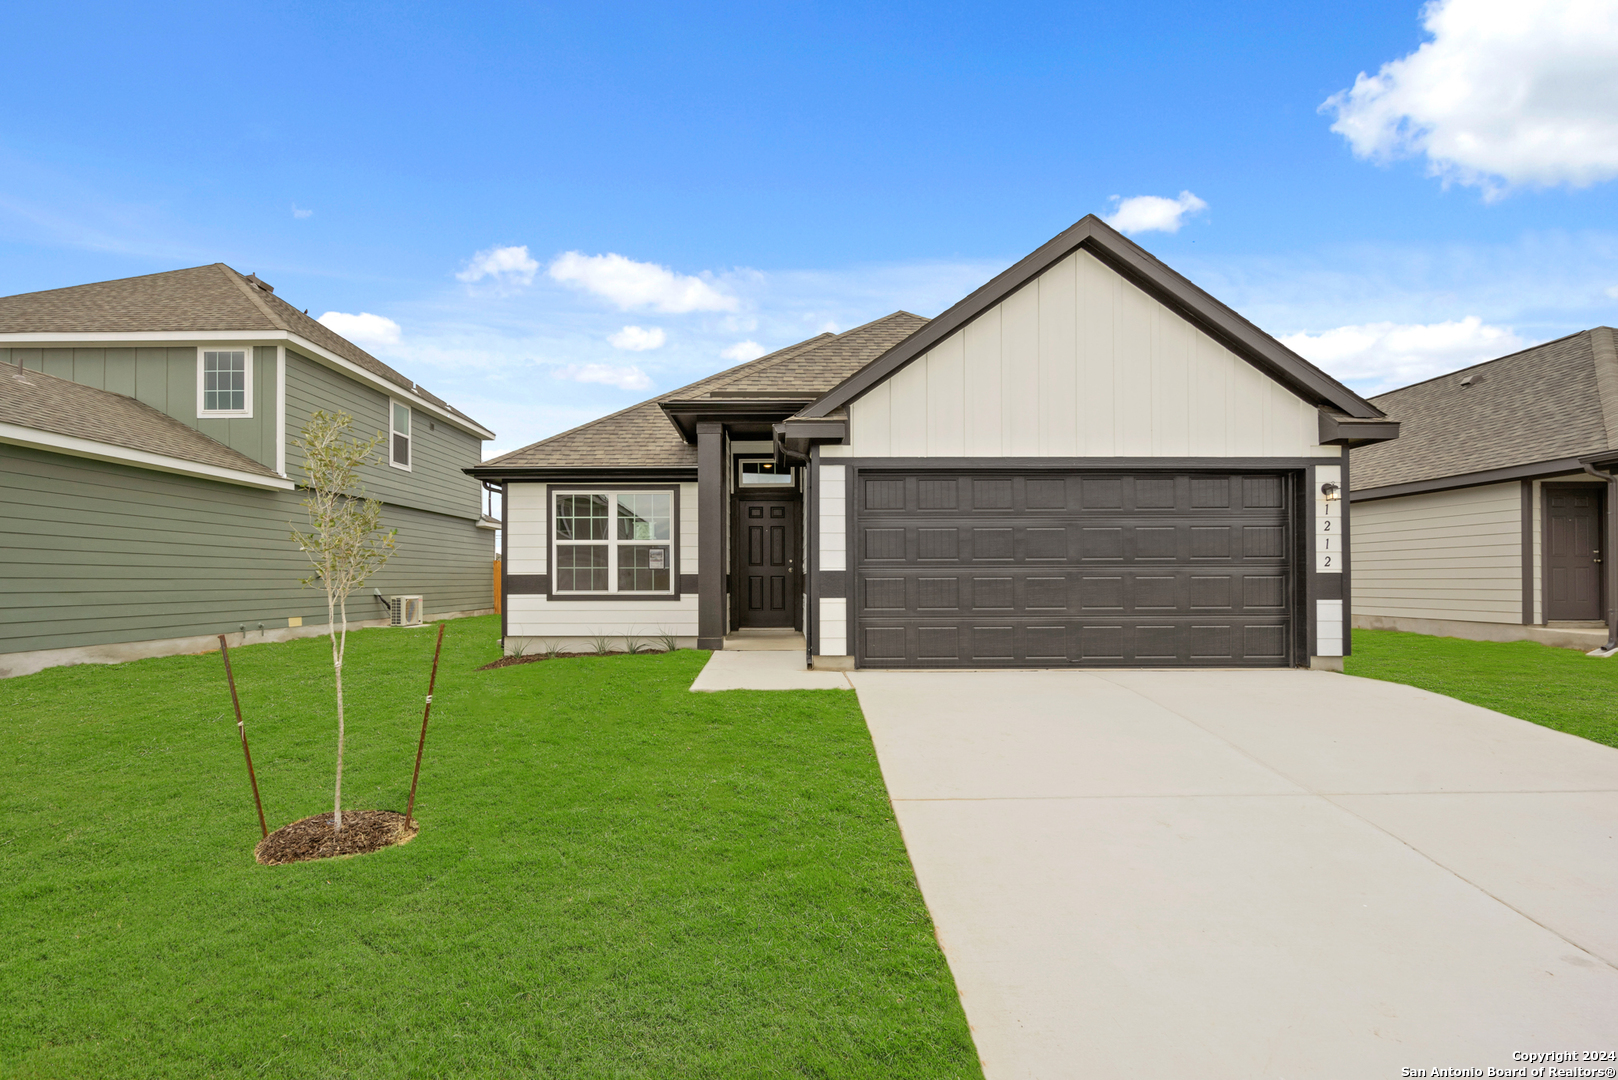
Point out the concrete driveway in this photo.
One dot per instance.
(1254, 874)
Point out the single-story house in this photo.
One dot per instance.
(1089, 461)
(1492, 516)
(149, 481)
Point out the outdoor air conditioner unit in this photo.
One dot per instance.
(404, 611)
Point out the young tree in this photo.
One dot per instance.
(345, 542)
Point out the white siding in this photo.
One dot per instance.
(526, 548)
(833, 520)
(833, 627)
(1081, 363)
(537, 617)
(1444, 555)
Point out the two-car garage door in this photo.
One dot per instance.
(1047, 569)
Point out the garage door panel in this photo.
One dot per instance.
(1073, 569)
(1005, 643)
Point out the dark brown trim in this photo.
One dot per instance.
(811, 558)
(711, 497)
(676, 579)
(528, 584)
(1534, 471)
(832, 583)
(1347, 586)
(1527, 552)
(505, 561)
(688, 584)
(1134, 464)
(609, 475)
(1339, 430)
(1135, 264)
(851, 517)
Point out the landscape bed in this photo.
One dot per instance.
(614, 877)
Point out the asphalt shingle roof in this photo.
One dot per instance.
(32, 399)
(196, 299)
(642, 436)
(1540, 404)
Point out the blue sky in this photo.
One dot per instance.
(762, 172)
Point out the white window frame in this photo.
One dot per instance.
(247, 385)
(410, 436)
(613, 544)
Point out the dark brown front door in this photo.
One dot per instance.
(767, 562)
(1572, 552)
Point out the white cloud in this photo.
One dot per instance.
(507, 265)
(1153, 213)
(638, 338)
(362, 329)
(1613, 292)
(624, 378)
(743, 351)
(1507, 92)
(1383, 356)
(300, 214)
(630, 284)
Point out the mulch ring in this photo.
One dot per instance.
(364, 831)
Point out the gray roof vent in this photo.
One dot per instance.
(1471, 380)
(252, 279)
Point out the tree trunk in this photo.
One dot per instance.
(337, 668)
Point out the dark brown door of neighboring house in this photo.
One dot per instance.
(767, 561)
(1573, 552)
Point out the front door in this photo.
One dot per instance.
(767, 561)
(1573, 553)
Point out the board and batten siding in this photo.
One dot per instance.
(1077, 363)
(166, 379)
(1080, 363)
(537, 617)
(1442, 555)
(439, 450)
(95, 553)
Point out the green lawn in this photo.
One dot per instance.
(615, 877)
(1559, 688)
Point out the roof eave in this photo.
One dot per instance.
(583, 473)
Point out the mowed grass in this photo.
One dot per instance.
(615, 877)
(1559, 688)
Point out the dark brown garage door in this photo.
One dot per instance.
(973, 569)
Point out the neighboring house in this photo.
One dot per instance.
(1491, 518)
(1088, 461)
(148, 481)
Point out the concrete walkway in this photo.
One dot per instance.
(764, 670)
(1283, 874)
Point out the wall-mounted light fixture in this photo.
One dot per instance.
(1328, 491)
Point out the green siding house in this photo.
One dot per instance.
(149, 481)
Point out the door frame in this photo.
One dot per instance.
(1602, 544)
(794, 575)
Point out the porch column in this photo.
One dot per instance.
(711, 491)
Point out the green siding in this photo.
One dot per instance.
(96, 553)
(439, 450)
(166, 379)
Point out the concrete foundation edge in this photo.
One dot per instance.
(1583, 640)
(27, 663)
(834, 663)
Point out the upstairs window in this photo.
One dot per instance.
(224, 383)
(399, 454)
(614, 542)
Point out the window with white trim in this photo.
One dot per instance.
(225, 382)
(399, 445)
(613, 542)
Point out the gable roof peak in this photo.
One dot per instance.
(1144, 270)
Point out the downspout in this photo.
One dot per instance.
(1609, 564)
